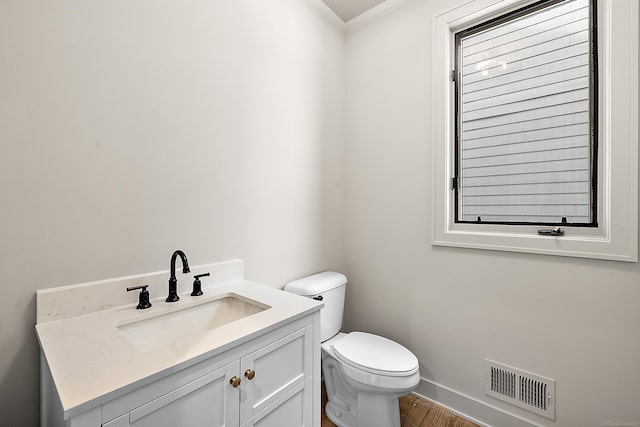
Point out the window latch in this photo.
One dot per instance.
(556, 231)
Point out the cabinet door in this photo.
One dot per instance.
(280, 384)
(122, 421)
(293, 409)
(209, 401)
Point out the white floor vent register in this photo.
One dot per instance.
(523, 389)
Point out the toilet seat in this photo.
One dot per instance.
(375, 355)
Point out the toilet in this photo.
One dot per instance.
(365, 374)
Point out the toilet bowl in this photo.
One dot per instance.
(365, 374)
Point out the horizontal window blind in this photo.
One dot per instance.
(525, 152)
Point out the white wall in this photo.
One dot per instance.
(573, 320)
(130, 129)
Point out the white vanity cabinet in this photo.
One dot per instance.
(233, 366)
(271, 386)
(272, 380)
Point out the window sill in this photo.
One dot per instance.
(527, 240)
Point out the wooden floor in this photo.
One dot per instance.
(415, 412)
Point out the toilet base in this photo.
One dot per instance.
(338, 416)
(372, 410)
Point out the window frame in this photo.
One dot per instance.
(593, 109)
(616, 235)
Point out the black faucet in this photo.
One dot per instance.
(173, 282)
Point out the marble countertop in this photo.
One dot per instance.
(92, 362)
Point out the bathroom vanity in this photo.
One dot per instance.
(243, 354)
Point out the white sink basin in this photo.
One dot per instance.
(163, 329)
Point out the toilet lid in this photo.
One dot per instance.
(375, 354)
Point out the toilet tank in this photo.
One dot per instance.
(329, 287)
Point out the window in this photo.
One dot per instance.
(525, 120)
(531, 131)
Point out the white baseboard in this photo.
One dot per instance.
(470, 408)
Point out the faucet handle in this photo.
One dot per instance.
(143, 299)
(197, 285)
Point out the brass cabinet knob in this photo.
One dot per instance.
(249, 373)
(235, 382)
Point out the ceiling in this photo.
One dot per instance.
(349, 9)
